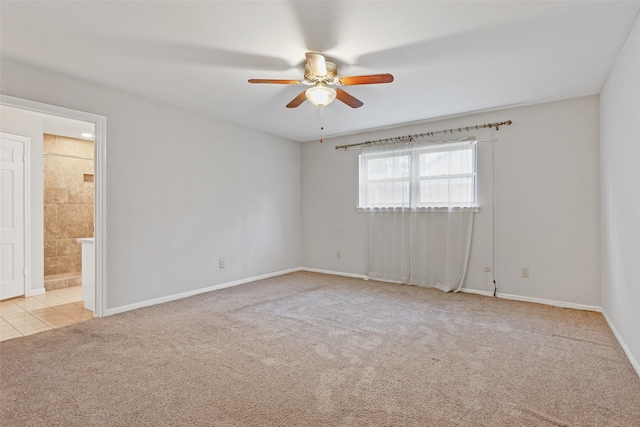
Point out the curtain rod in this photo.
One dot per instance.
(419, 135)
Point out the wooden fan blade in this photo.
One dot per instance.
(278, 82)
(350, 100)
(317, 64)
(298, 100)
(366, 80)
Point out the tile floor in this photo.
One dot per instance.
(53, 309)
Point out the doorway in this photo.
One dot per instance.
(68, 208)
(98, 123)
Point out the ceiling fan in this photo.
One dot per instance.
(322, 76)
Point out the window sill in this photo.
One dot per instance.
(424, 210)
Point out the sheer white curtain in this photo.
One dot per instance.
(416, 204)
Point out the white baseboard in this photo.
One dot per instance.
(476, 291)
(335, 273)
(562, 304)
(128, 307)
(34, 292)
(554, 303)
(625, 348)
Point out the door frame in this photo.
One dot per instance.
(100, 203)
(26, 204)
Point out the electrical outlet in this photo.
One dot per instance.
(338, 255)
(221, 263)
(524, 272)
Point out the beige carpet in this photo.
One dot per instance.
(308, 349)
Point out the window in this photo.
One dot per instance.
(418, 176)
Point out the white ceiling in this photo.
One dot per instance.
(447, 57)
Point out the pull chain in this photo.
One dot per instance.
(321, 124)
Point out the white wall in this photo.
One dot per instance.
(24, 123)
(620, 165)
(547, 205)
(183, 190)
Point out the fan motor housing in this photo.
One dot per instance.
(332, 72)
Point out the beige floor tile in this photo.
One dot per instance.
(30, 304)
(17, 315)
(7, 334)
(74, 316)
(73, 298)
(71, 310)
(11, 301)
(68, 295)
(76, 290)
(58, 292)
(59, 322)
(26, 332)
(72, 307)
(40, 312)
(7, 327)
(40, 325)
(10, 309)
(24, 322)
(86, 315)
(53, 309)
(17, 319)
(51, 300)
(54, 316)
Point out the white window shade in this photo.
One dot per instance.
(385, 177)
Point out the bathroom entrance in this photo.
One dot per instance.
(61, 126)
(68, 211)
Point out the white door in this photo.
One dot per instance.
(12, 226)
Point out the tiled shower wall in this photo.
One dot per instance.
(68, 208)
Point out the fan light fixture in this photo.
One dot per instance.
(318, 73)
(321, 95)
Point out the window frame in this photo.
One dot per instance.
(415, 176)
(385, 155)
